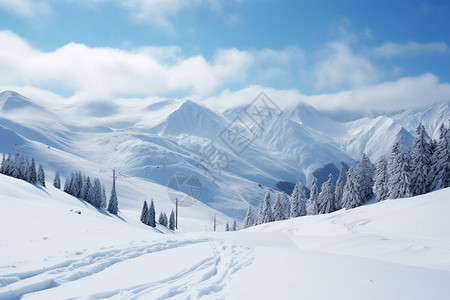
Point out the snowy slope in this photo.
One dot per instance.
(397, 249)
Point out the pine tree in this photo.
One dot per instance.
(326, 196)
(144, 213)
(68, 184)
(259, 215)
(286, 205)
(172, 221)
(278, 209)
(56, 181)
(8, 165)
(103, 204)
(267, 210)
(113, 205)
(339, 189)
(249, 218)
(420, 162)
(162, 219)
(32, 176)
(298, 201)
(41, 175)
(234, 226)
(86, 187)
(311, 205)
(2, 168)
(399, 183)
(95, 193)
(364, 173)
(351, 197)
(151, 215)
(441, 160)
(381, 179)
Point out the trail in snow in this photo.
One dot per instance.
(205, 277)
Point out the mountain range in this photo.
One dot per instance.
(155, 140)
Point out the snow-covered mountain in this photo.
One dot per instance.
(151, 142)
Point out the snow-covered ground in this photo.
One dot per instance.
(397, 249)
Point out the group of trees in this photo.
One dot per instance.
(148, 216)
(92, 191)
(233, 226)
(407, 172)
(20, 167)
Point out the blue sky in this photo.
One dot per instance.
(210, 49)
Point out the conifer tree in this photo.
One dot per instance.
(277, 209)
(364, 173)
(151, 215)
(103, 204)
(339, 189)
(56, 181)
(8, 165)
(113, 205)
(68, 184)
(2, 168)
(162, 219)
(172, 221)
(267, 210)
(326, 196)
(286, 205)
(381, 179)
(144, 213)
(86, 187)
(249, 218)
(41, 175)
(399, 183)
(227, 227)
(95, 193)
(259, 215)
(441, 160)
(298, 201)
(32, 176)
(234, 226)
(311, 205)
(351, 197)
(420, 162)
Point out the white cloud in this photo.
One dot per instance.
(106, 72)
(410, 48)
(26, 8)
(341, 67)
(405, 93)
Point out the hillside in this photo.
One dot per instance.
(396, 249)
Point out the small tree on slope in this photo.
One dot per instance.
(113, 205)
(151, 215)
(441, 160)
(298, 201)
(364, 173)
(172, 221)
(249, 218)
(381, 179)
(144, 213)
(421, 162)
(41, 175)
(56, 181)
(278, 209)
(311, 205)
(326, 196)
(267, 210)
(351, 197)
(399, 183)
(339, 189)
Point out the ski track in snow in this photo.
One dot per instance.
(209, 276)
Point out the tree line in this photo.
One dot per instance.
(406, 172)
(148, 216)
(19, 167)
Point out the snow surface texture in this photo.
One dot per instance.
(156, 140)
(395, 249)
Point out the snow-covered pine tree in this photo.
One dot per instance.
(32, 176)
(311, 204)
(56, 180)
(441, 160)
(113, 205)
(364, 173)
(19, 166)
(162, 219)
(286, 205)
(420, 162)
(2, 167)
(259, 215)
(339, 189)
(41, 175)
(267, 210)
(172, 221)
(85, 195)
(103, 204)
(278, 209)
(399, 182)
(151, 215)
(95, 193)
(351, 197)
(8, 165)
(68, 184)
(326, 196)
(381, 179)
(234, 226)
(144, 213)
(298, 201)
(249, 218)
